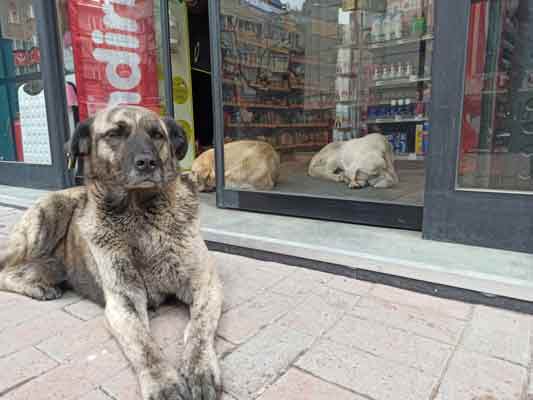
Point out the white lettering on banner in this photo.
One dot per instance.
(114, 21)
(117, 98)
(115, 59)
(115, 39)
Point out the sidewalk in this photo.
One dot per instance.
(286, 334)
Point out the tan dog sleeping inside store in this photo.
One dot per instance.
(248, 164)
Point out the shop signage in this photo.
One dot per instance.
(115, 53)
(27, 57)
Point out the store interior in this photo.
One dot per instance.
(303, 74)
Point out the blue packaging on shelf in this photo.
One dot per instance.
(425, 137)
(402, 146)
(390, 138)
(396, 142)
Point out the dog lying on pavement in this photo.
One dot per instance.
(128, 239)
(361, 162)
(249, 164)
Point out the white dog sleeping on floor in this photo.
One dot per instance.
(361, 162)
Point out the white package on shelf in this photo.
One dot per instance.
(34, 127)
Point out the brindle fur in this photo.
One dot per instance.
(127, 240)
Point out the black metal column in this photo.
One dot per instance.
(54, 85)
(165, 55)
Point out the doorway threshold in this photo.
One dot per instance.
(367, 252)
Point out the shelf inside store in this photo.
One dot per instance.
(395, 120)
(279, 126)
(386, 83)
(281, 106)
(398, 42)
(409, 157)
(277, 89)
(257, 105)
(301, 146)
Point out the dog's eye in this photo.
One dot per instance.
(115, 133)
(156, 135)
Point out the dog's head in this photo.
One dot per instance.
(129, 147)
(203, 171)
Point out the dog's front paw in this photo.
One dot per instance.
(203, 374)
(163, 383)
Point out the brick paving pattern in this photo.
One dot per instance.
(286, 333)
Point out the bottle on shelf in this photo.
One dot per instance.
(376, 29)
(387, 26)
(397, 23)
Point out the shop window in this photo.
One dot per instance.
(340, 93)
(496, 146)
(24, 135)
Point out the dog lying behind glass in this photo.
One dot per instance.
(249, 165)
(361, 162)
(128, 240)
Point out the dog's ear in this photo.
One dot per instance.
(177, 137)
(79, 143)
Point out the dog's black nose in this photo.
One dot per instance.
(145, 163)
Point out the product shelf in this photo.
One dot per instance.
(278, 126)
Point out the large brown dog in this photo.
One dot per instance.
(128, 240)
(249, 164)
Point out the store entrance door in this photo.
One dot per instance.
(327, 103)
(480, 177)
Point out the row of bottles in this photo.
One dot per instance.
(402, 20)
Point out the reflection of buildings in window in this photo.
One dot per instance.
(496, 139)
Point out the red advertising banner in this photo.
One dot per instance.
(115, 53)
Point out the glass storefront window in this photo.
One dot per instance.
(24, 135)
(496, 146)
(341, 95)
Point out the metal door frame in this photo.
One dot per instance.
(483, 218)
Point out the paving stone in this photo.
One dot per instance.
(297, 385)
(168, 330)
(439, 305)
(350, 285)
(8, 299)
(8, 210)
(36, 331)
(27, 309)
(123, 386)
(241, 323)
(74, 379)
(501, 334)
(22, 366)
(8, 220)
(226, 396)
(236, 293)
(96, 394)
(365, 373)
(74, 343)
(476, 376)
(318, 312)
(223, 347)
(392, 344)
(234, 268)
(85, 309)
(257, 363)
(422, 322)
(302, 282)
